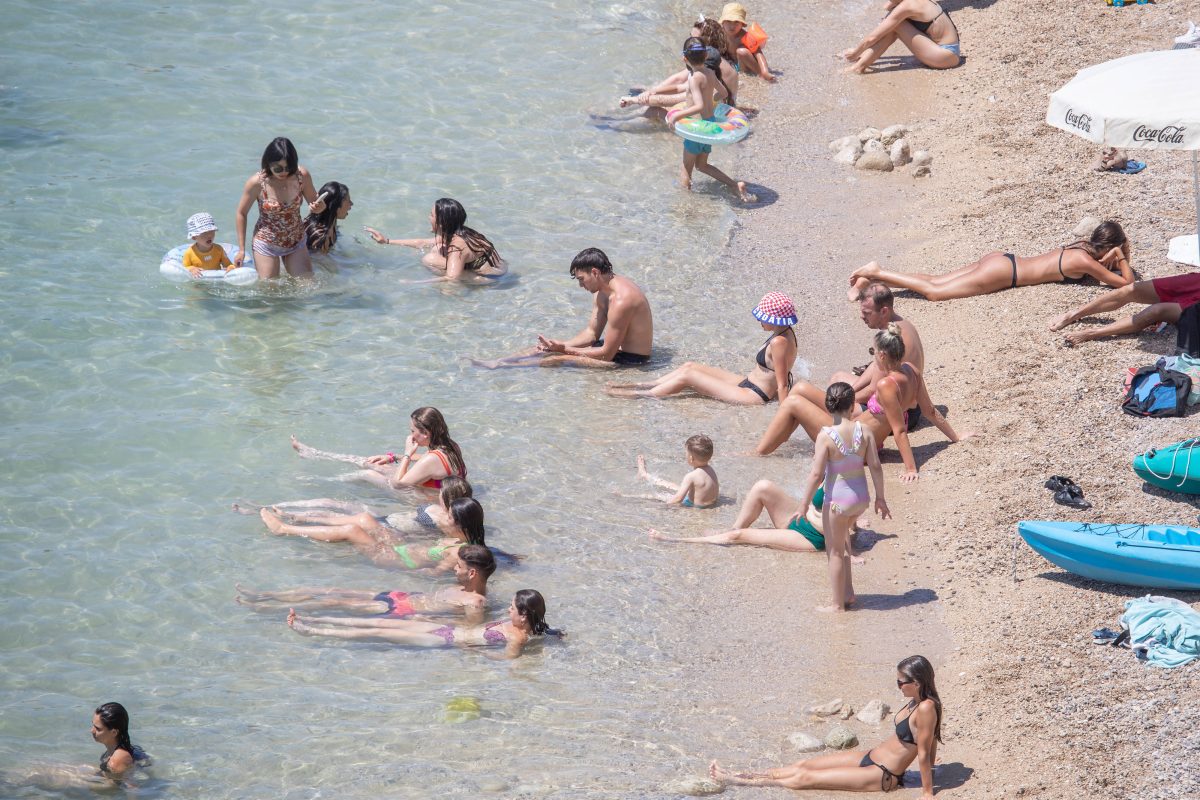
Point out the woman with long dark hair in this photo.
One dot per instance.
(110, 727)
(918, 729)
(456, 251)
(526, 620)
(320, 228)
(427, 429)
(1104, 256)
(279, 187)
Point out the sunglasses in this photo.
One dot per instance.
(902, 684)
(278, 169)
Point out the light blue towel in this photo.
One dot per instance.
(1168, 629)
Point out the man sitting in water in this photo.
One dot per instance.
(619, 332)
(878, 307)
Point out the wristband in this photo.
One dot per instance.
(392, 456)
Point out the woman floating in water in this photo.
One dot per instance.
(386, 549)
(456, 251)
(320, 229)
(474, 566)
(922, 26)
(900, 388)
(770, 378)
(1105, 257)
(526, 619)
(918, 729)
(427, 429)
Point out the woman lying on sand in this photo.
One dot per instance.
(387, 549)
(427, 519)
(455, 251)
(469, 598)
(427, 428)
(922, 25)
(918, 729)
(1104, 257)
(900, 388)
(720, 60)
(526, 619)
(768, 379)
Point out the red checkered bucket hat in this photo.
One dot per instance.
(776, 308)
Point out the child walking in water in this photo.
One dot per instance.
(701, 88)
(841, 466)
(699, 488)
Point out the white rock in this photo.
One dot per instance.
(901, 153)
(846, 713)
(873, 145)
(919, 170)
(828, 709)
(922, 158)
(869, 133)
(804, 742)
(841, 738)
(848, 155)
(873, 712)
(891, 133)
(1085, 227)
(695, 787)
(843, 143)
(876, 160)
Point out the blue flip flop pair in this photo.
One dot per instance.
(1131, 167)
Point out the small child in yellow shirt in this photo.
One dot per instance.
(204, 254)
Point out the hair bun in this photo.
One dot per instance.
(894, 329)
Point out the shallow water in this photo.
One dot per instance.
(136, 411)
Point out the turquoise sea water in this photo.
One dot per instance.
(135, 411)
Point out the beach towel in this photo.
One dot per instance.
(1163, 631)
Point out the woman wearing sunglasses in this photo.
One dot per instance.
(918, 729)
(279, 236)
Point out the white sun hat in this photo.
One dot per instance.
(200, 223)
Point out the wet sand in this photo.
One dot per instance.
(1034, 709)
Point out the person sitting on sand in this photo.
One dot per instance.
(720, 59)
(1166, 299)
(770, 377)
(923, 26)
(1105, 257)
(918, 729)
(840, 453)
(619, 333)
(469, 598)
(877, 307)
(320, 229)
(701, 102)
(386, 549)
(427, 429)
(526, 620)
(900, 388)
(357, 521)
(455, 251)
(699, 488)
(749, 43)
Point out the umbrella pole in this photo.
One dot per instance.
(1196, 191)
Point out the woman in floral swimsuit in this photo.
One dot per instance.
(279, 187)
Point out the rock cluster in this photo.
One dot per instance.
(882, 151)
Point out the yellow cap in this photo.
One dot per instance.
(733, 12)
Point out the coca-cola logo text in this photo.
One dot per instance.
(1079, 121)
(1170, 134)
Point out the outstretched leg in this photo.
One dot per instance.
(708, 381)
(868, 56)
(787, 540)
(1146, 318)
(416, 635)
(737, 187)
(311, 452)
(990, 274)
(1137, 292)
(324, 533)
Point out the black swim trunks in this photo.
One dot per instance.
(624, 359)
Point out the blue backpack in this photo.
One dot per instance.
(1155, 392)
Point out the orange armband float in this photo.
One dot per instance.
(754, 37)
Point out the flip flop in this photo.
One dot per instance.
(1131, 167)
(1071, 496)
(1056, 483)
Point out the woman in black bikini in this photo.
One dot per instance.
(922, 25)
(918, 731)
(770, 379)
(1105, 257)
(456, 251)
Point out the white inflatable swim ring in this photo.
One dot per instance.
(172, 269)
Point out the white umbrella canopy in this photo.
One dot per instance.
(1149, 101)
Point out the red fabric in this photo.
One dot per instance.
(1181, 289)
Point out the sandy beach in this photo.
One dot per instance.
(1034, 709)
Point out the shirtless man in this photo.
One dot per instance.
(1166, 299)
(619, 333)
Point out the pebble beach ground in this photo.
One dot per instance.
(1034, 709)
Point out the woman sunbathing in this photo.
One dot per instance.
(1105, 257)
(900, 388)
(922, 26)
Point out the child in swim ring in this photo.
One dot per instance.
(699, 488)
(204, 253)
(748, 41)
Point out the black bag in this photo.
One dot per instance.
(1155, 392)
(1187, 339)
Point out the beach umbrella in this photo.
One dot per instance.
(1149, 101)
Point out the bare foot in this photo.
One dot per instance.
(494, 364)
(656, 536)
(641, 465)
(249, 509)
(869, 271)
(745, 196)
(851, 600)
(297, 625)
(719, 775)
(273, 523)
(616, 385)
(1062, 322)
(302, 449)
(857, 286)
(857, 561)
(614, 391)
(831, 609)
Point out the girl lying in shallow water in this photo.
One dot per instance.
(526, 620)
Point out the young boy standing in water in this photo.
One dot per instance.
(701, 87)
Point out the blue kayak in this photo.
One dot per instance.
(1155, 556)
